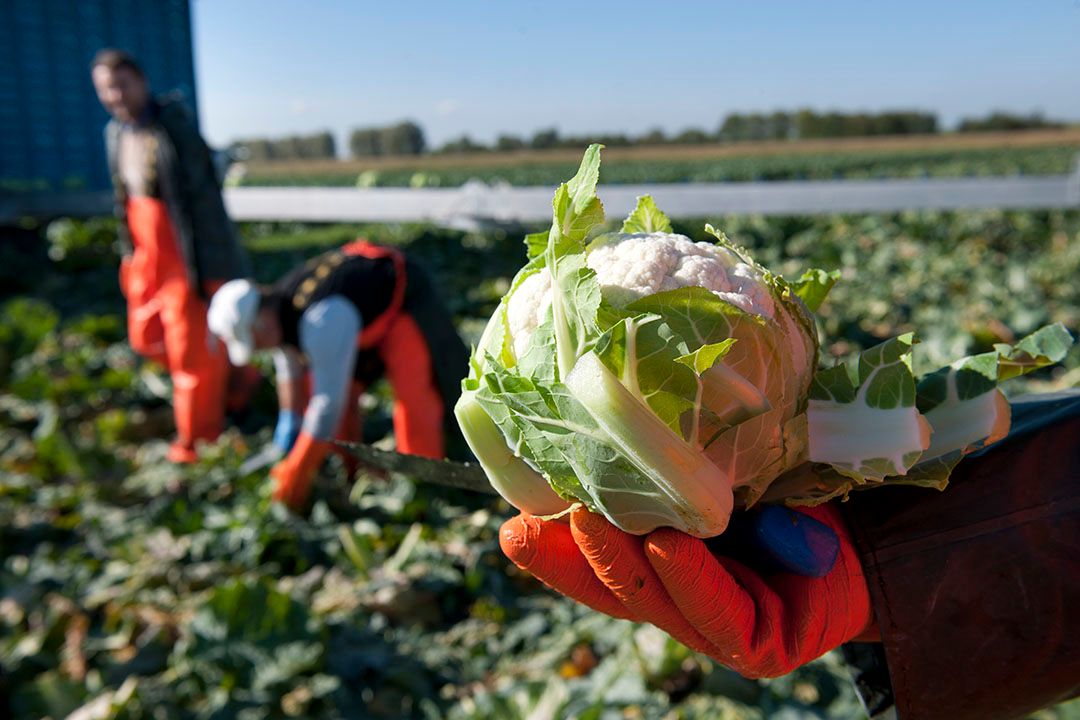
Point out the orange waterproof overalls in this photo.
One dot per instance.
(167, 323)
(418, 406)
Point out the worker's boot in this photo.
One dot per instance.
(181, 452)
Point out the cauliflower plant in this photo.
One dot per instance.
(658, 380)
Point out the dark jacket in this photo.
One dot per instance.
(189, 187)
(976, 589)
(369, 283)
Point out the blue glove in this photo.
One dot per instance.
(773, 538)
(286, 430)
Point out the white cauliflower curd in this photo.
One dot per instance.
(632, 266)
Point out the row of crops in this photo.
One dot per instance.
(810, 166)
(131, 588)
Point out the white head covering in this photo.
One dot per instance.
(232, 318)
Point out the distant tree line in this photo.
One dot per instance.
(742, 127)
(736, 127)
(999, 121)
(320, 145)
(404, 138)
(549, 139)
(407, 138)
(807, 124)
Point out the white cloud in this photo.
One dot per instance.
(298, 106)
(447, 107)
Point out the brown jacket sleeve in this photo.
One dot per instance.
(976, 589)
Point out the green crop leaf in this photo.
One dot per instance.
(706, 356)
(862, 418)
(574, 306)
(587, 460)
(583, 185)
(508, 472)
(570, 228)
(539, 361)
(641, 352)
(961, 404)
(966, 409)
(576, 294)
(646, 218)
(1043, 347)
(694, 314)
(814, 285)
(527, 417)
(576, 210)
(675, 484)
(536, 243)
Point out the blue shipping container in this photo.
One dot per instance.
(50, 119)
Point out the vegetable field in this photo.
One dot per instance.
(1054, 154)
(130, 588)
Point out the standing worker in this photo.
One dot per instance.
(341, 313)
(178, 242)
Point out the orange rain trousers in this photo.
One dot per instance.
(167, 324)
(418, 406)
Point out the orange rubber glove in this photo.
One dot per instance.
(760, 624)
(293, 475)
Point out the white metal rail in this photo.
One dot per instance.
(477, 203)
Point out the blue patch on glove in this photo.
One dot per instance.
(774, 538)
(796, 542)
(287, 430)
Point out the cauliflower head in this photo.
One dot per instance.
(630, 266)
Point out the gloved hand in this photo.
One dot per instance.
(293, 475)
(286, 430)
(758, 621)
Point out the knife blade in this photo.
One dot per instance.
(266, 457)
(448, 473)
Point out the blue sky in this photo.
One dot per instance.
(271, 67)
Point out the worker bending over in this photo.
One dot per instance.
(349, 316)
